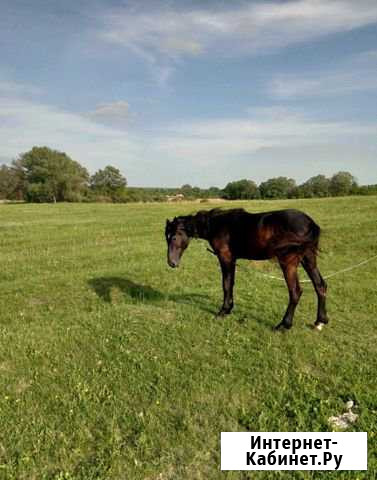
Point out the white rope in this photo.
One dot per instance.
(352, 267)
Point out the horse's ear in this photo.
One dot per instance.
(167, 222)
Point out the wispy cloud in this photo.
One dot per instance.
(201, 152)
(88, 142)
(358, 73)
(269, 143)
(208, 142)
(245, 28)
(112, 113)
(8, 87)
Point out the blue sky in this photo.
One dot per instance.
(199, 92)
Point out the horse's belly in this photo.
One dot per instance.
(254, 254)
(251, 246)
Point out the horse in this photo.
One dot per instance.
(290, 236)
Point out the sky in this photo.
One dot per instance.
(198, 92)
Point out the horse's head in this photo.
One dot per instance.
(177, 238)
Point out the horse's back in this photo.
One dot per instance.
(290, 220)
(262, 235)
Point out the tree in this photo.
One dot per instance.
(278, 187)
(241, 189)
(109, 181)
(50, 176)
(186, 190)
(366, 190)
(196, 192)
(214, 192)
(317, 186)
(10, 184)
(342, 183)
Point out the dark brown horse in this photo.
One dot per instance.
(290, 236)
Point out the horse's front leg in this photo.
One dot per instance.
(228, 267)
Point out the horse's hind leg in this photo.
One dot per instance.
(309, 262)
(289, 264)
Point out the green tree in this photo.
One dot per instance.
(186, 190)
(241, 189)
(366, 190)
(214, 192)
(50, 176)
(10, 184)
(110, 182)
(196, 192)
(317, 186)
(342, 183)
(278, 187)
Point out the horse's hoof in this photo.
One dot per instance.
(318, 326)
(282, 327)
(222, 313)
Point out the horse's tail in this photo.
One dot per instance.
(315, 234)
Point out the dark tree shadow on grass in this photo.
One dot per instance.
(144, 293)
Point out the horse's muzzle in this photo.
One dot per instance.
(173, 264)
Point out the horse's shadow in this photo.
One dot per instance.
(103, 286)
(138, 293)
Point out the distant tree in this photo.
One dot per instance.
(196, 192)
(241, 189)
(317, 186)
(366, 190)
(342, 183)
(110, 182)
(186, 189)
(50, 176)
(214, 192)
(278, 187)
(10, 184)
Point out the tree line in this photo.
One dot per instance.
(340, 184)
(46, 175)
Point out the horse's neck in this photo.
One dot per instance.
(201, 227)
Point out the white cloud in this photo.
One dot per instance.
(303, 162)
(215, 152)
(113, 113)
(358, 73)
(26, 123)
(198, 152)
(244, 28)
(8, 87)
(207, 142)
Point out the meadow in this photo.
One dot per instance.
(114, 366)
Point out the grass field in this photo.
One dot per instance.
(113, 366)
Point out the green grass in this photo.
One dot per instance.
(113, 366)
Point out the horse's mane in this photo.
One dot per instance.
(199, 223)
(215, 212)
